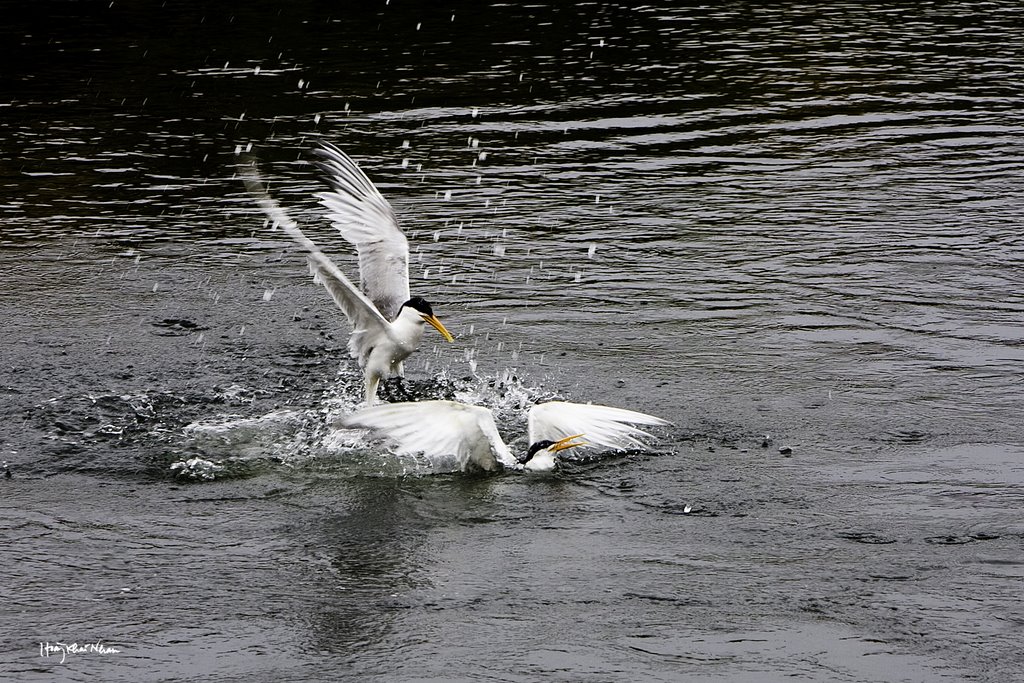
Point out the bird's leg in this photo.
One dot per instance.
(400, 385)
(372, 380)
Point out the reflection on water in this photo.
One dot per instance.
(799, 221)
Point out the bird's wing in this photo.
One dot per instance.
(601, 426)
(359, 310)
(438, 429)
(365, 219)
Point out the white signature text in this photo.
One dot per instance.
(49, 649)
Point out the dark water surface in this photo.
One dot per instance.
(776, 227)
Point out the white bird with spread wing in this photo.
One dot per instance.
(441, 429)
(387, 323)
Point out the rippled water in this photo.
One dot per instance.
(776, 227)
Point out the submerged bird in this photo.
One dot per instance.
(387, 322)
(442, 429)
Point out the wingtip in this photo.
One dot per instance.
(329, 150)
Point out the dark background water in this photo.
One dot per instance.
(799, 221)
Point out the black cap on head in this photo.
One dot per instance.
(532, 451)
(420, 304)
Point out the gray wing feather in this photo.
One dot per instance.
(366, 220)
(601, 426)
(364, 317)
(438, 429)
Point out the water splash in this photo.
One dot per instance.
(233, 445)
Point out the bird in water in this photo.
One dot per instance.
(444, 429)
(387, 322)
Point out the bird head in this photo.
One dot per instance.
(547, 450)
(420, 305)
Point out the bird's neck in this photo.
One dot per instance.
(542, 461)
(407, 329)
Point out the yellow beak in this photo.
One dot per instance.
(565, 443)
(439, 327)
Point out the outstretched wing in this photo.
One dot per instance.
(365, 319)
(365, 219)
(601, 426)
(438, 429)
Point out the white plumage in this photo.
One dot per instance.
(440, 429)
(387, 323)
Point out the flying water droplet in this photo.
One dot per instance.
(476, 111)
(591, 250)
(447, 195)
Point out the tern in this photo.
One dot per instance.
(387, 322)
(442, 429)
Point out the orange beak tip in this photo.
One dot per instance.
(436, 324)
